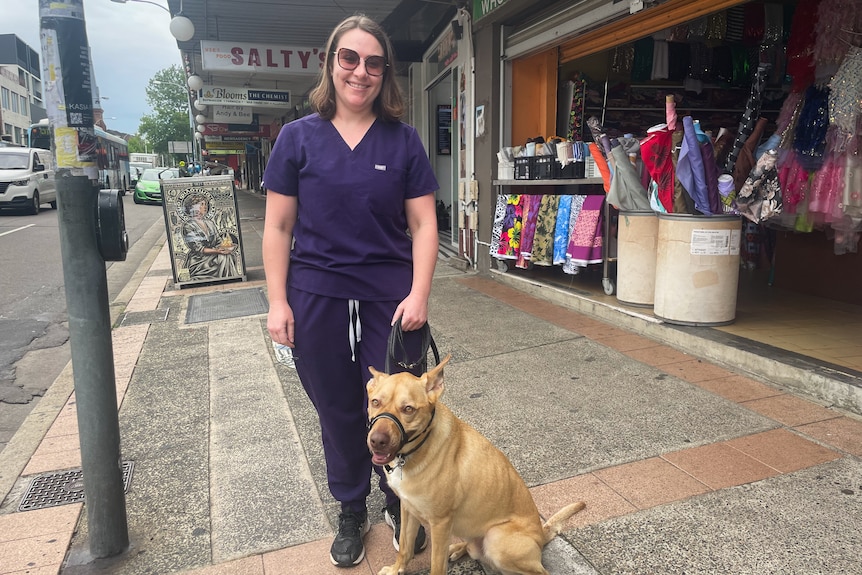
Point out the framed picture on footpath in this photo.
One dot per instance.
(203, 230)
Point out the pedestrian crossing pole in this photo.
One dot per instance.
(67, 88)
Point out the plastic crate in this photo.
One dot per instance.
(546, 168)
(524, 168)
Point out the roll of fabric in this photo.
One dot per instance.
(690, 169)
(626, 192)
(656, 150)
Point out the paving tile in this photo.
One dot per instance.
(783, 450)
(659, 356)
(843, 433)
(57, 461)
(718, 465)
(601, 331)
(310, 557)
(58, 443)
(39, 551)
(739, 388)
(790, 410)
(629, 342)
(602, 501)
(246, 566)
(651, 482)
(63, 425)
(380, 551)
(696, 370)
(39, 522)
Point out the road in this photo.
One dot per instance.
(34, 332)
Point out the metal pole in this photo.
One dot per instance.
(69, 102)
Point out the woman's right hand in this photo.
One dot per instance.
(280, 323)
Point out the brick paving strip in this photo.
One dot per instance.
(35, 542)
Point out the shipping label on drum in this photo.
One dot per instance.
(715, 242)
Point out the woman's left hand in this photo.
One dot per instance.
(413, 312)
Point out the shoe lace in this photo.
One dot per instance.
(350, 523)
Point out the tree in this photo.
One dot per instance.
(170, 104)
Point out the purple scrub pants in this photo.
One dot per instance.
(334, 377)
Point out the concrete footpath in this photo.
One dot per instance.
(685, 466)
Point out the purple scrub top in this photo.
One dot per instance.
(351, 237)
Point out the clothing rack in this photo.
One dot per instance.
(559, 185)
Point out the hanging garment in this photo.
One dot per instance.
(656, 150)
(760, 196)
(690, 170)
(497, 228)
(853, 189)
(546, 222)
(827, 190)
(746, 160)
(810, 138)
(800, 59)
(794, 181)
(529, 214)
(561, 231)
(845, 102)
(585, 246)
(750, 116)
(510, 231)
(569, 266)
(626, 191)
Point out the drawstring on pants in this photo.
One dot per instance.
(354, 328)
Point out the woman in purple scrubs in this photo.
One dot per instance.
(351, 189)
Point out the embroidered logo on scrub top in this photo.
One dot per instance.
(381, 167)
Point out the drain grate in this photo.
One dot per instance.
(226, 304)
(62, 488)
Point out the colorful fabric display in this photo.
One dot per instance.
(690, 170)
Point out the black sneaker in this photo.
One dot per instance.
(392, 515)
(347, 549)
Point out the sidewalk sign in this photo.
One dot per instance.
(202, 225)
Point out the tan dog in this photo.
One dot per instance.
(452, 479)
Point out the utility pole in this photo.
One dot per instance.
(67, 82)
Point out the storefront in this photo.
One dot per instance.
(621, 67)
(443, 84)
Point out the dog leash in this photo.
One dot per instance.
(396, 353)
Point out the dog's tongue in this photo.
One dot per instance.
(381, 458)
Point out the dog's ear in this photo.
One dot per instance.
(434, 380)
(375, 377)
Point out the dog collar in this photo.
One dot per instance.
(405, 439)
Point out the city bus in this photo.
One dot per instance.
(112, 154)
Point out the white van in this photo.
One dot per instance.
(27, 179)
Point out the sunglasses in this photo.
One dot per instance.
(349, 60)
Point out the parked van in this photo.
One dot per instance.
(27, 179)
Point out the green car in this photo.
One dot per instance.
(148, 190)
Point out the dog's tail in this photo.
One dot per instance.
(554, 525)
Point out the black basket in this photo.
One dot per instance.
(524, 168)
(573, 171)
(547, 168)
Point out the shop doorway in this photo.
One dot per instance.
(443, 152)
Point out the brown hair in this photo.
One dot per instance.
(389, 104)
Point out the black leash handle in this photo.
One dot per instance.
(396, 353)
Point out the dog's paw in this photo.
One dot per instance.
(390, 570)
(457, 550)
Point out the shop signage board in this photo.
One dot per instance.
(482, 8)
(202, 225)
(232, 115)
(261, 58)
(243, 96)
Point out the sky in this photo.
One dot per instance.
(129, 43)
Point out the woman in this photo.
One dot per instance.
(344, 185)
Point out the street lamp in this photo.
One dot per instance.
(181, 27)
(191, 117)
